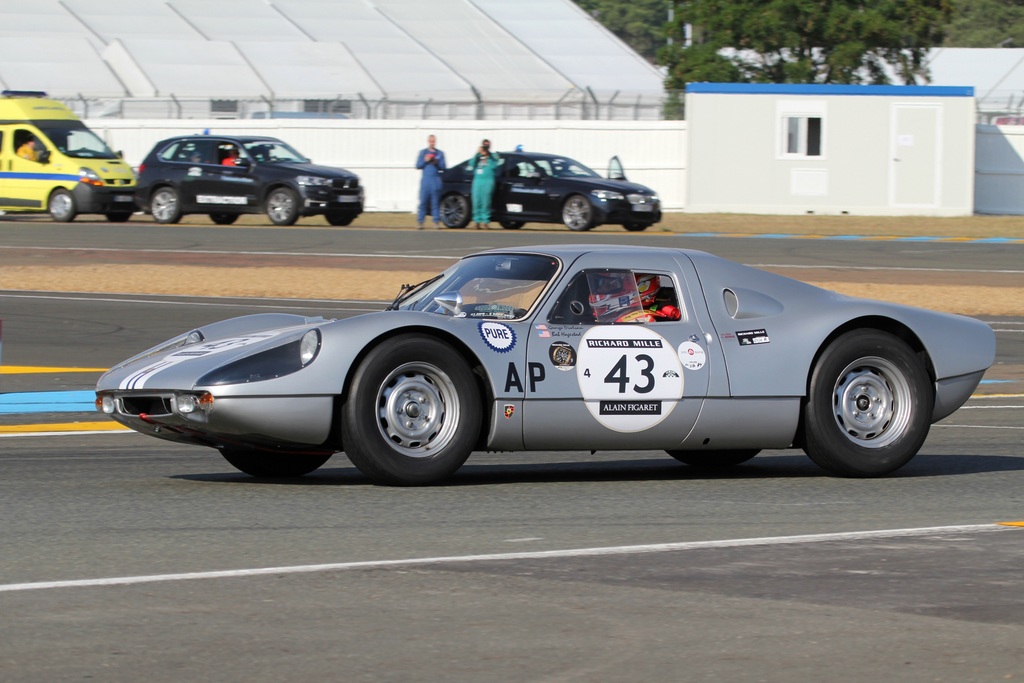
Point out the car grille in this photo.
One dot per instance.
(146, 405)
(640, 199)
(345, 183)
(117, 181)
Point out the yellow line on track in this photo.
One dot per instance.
(40, 370)
(107, 426)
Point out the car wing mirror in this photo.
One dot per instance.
(615, 170)
(43, 157)
(450, 302)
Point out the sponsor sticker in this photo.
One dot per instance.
(752, 337)
(562, 356)
(692, 356)
(498, 336)
(220, 199)
(542, 331)
(630, 377)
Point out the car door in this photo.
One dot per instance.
(615, 170)
(26, 183)
(601, 378)
(224, 187)
(521, 194)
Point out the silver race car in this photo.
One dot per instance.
(563, 348)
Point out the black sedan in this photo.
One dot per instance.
(229, 176)
(547, 188)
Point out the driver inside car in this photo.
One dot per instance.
(623, 297)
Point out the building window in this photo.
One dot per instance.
(802, 131)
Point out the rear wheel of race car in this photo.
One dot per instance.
(714, 460)
(263, 464)
(165, 205)
(636, 227)
(413, 412)
(282, 206)
(577, 213)
(869, 407)
(455, 211)
(223, 218)
(511, 225)
(62, 206)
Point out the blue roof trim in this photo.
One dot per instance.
(823, 89)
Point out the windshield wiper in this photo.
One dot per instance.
(405, 291)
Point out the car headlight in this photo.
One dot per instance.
(605, 195)
(270, 364)
(89, 177)
(312, 180)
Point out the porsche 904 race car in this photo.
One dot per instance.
(563, 348)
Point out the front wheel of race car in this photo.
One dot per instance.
(264, 464)
(869, 406)
(413, 412)
(455, 211)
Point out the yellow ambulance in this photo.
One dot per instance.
(50, 162)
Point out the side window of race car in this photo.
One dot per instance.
(616, 296)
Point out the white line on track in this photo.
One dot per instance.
(538, 555)
(188, 300)
(243, 253)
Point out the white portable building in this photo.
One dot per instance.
(830, 149)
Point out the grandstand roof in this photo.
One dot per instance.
(451, 50)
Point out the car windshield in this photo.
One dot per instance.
(501, 286)
(78, 142)
(564, 167)
(274, 152)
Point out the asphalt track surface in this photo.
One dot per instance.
(125, 558)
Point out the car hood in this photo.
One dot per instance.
(316, 169)
(623, 186)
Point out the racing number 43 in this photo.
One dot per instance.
(619, 376)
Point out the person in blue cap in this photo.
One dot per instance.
(484, 166)
(431, 161)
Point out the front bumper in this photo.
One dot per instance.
(320, 199)
(92, 199)
(635, 209)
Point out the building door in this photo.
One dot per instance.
(915, 166)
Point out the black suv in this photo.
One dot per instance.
(228, 176)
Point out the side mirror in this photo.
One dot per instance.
(243, 163)
(450, 302)
(43, 157)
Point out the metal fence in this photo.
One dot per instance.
(577, 108)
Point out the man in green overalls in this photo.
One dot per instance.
(484, 166)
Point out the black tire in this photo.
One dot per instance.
(263, 464)
(869, 406)
(714, 460)
(577, 213)
(62, 206)
(455, 211)
(431, 387)
(223, 218)
(119, 216)
(282, 206)
(511, 225)
(165, 205)
(340, 218)
(636, 227)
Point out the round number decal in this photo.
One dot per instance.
(629, 375)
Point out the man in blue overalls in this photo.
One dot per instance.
(431, 161)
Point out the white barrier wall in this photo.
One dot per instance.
(653, 152)
(383, 153)
(999, 170)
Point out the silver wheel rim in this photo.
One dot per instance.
(418, 410)
(164, 205)
(280, 206)
(60, 205)
(871, 402)
(576, 213)
(452, 211)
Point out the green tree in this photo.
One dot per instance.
(638, 23)
(803, 41)
(986, 23)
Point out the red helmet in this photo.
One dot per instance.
(610, 293)
(648, 286)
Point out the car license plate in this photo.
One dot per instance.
(514, 208)
(643, 207)
(348, 198)
(123, 198)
